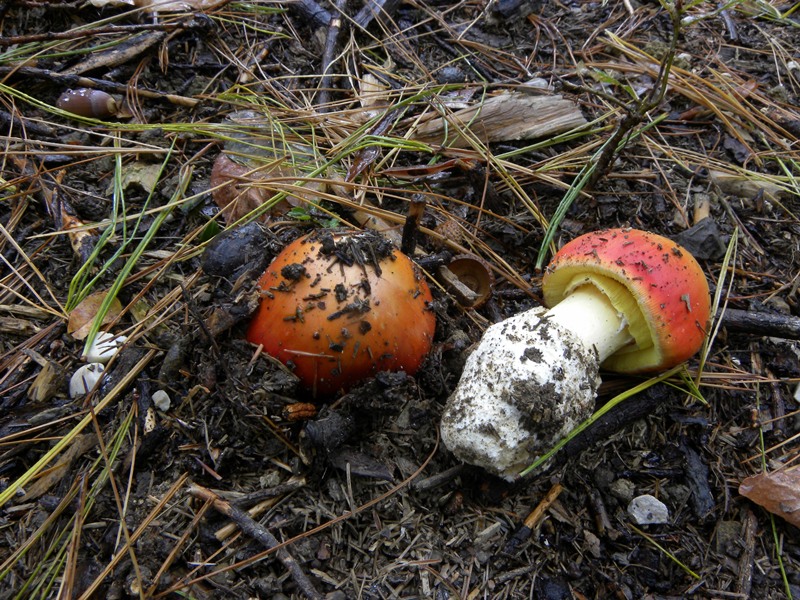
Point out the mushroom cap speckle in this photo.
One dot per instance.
(670, 316)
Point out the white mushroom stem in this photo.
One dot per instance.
(588, 313)
(532, 379)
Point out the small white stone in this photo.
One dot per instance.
(161, 400)
(104, 347)
(84, 379)
(648, 510)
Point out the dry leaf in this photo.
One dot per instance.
(83, 315)
(746, 187)
(778, 492)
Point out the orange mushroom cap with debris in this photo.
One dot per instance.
(340, 307)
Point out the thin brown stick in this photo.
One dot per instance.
(331, 41)
(533, 519)
(71, 80)
(256, 531)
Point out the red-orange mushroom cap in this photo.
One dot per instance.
(655, 283)
(340, 307)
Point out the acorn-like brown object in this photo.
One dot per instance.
(86, 102)
(338, 307)
(474, 273)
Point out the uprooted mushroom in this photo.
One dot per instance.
(621, 299)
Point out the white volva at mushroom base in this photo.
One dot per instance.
(509, 406)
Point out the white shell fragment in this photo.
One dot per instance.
(104, 347)
(648, 510)
(509, 406)
(161, 400)
(84, 379)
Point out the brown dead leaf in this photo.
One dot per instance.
(778, 492)
(238, 189)
(83, 315)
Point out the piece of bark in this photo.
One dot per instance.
(746, 187)
(128, 50)
(762, 323)
(79, 447)
(49, 381)
(696, 471)
(508, 116)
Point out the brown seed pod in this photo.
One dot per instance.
(474, 273)
(86, 102)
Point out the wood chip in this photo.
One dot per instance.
(505, 117)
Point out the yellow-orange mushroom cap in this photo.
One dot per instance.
(655, 283)
(339, 307)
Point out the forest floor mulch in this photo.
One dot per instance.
(348, 114)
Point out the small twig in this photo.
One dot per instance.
(70, 80)
(533, 519)
(257, 532)
(762, 323)
(434, 481)
(331, 41)
(13, 40)
(293, 484)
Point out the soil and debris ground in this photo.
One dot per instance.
(103, 496)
